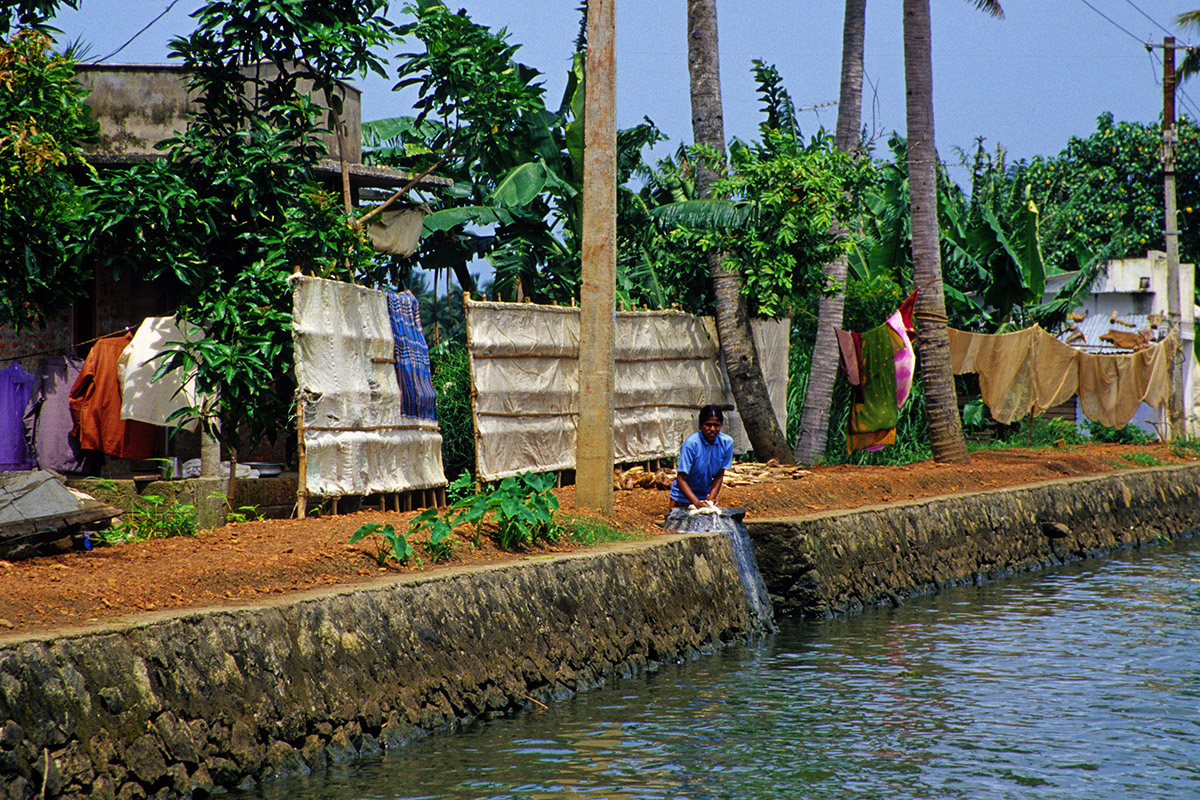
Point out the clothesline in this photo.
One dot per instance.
(54, 350)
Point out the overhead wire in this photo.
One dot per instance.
(1153, 21)
(1114, 23)
(145, 28)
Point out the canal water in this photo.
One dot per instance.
(1082, 682)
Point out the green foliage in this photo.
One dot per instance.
(440, 545)
(244, 514)
(43, 121)
(1142, 459)
(1186, 448)
(451, 371)
(1107, 189)
(152, 517)
(520, 508)
(234, 207)
(517, 166)
(1046, 432)
(34, 14)
(783, 197)
(1130, 434)
(389, 545)
(589, 532)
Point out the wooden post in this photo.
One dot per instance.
(301, 461)
(594, 449)
(1177, 410)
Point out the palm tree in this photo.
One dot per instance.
(1191, 59)
(814, 424)
(733, 322)
(933, 344)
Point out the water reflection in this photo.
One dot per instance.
(1076, 684)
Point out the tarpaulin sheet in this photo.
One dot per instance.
(525, 379)
(356, 438)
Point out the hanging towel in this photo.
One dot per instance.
(412, 356)
(1112, 386)
(48, 420)
(15, 387)
(869, 414)
(151, 401)
(873, 415)
(96, 406)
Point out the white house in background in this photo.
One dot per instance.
(1130, 295)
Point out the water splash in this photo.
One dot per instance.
(730, 521)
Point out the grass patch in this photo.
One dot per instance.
(1045, 433)
(1186, 448)
(589, 531)
(1142, 459)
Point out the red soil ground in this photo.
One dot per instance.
(247, 562)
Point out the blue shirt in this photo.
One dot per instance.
(700, 462)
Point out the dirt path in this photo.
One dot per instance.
(242, 563)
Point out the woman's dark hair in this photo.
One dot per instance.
(711, 412)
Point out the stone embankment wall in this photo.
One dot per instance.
(188, 704)
(826, 564)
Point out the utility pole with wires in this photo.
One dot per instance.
(1178, 322)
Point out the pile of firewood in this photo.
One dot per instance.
(740, 474)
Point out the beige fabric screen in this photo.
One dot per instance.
(524, 374)
(357, 441)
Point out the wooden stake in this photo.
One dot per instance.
(301, 461)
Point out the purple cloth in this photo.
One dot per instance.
(15, 387)
(48, 420)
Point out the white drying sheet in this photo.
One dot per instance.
(356, 440)
(524, 374)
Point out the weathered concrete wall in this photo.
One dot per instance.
(184, 704)
(835, 562)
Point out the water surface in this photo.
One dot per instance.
(1078, 683)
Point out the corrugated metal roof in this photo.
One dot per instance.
(1096, 325)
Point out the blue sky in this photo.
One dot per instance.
(1028, 82)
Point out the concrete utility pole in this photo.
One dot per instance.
(597, 299)
(1177, 408)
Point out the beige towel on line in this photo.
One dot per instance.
(1029, 371)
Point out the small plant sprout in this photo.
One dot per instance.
(389, 545)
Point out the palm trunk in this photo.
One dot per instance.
(933, 345)
(818, 396)
(733, 323)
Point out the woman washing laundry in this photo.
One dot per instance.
(703, 459)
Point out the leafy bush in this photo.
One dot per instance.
(451, 367)
(152, 517)
(1142, 459)
(43, 121)
(1130, 434)
(521, 507)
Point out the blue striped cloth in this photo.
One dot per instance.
(412, 357)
